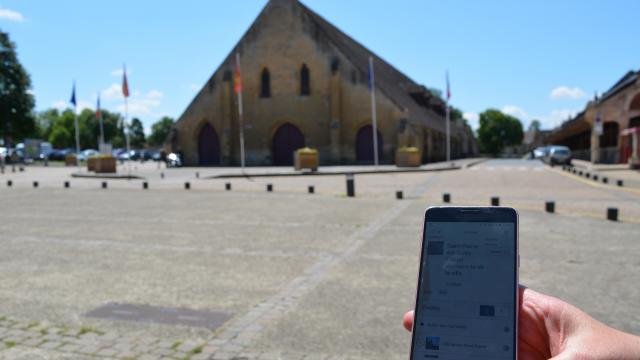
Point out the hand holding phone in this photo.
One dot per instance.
(467, 293)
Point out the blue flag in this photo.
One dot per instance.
(73, 95)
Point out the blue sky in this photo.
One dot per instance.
(538, 59)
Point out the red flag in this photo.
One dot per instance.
(237, 80)
(98, 108)
(125, 84)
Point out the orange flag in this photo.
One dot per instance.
(125, 84)
(237, 80)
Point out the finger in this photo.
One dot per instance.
(407, 320)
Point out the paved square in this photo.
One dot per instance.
(304, 275)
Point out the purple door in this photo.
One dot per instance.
(208, 146)
(286, 140)
(364, 145)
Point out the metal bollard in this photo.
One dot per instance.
(351, 186)
(145, 185)
(35, 184)
(311, 189)
(595, 177)
(580, 172)
(612, 214)
(605, 180)
(187, 186)
(550, 206)
(399, 195)
(66, 184)
(13, 168)
(269, 187)
(620, 183)
(9, 183)
(446, 198)
(495, 201)
(161, 175)
(587, 175)
(21, 168)
(104, 184)
(197, 175)
(227, 186)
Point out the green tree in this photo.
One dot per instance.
(60, 138)
(160, 131)
(16, 103)
(498, 130)
(535, 125)
(136, 133)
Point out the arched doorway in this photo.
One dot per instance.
(287, 139)
(364, 145)
(208, 146)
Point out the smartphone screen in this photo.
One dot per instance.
(467, 296)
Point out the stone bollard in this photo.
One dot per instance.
(495, 201)
(35, 184)
(161, 175)
(227, 186)
(620, 183)
(351, 186)
(66, 184)
(595, 177)
(13, 168)
(21, 168)
(587, 175)
(580, 172)
(104, 184)
(269, 187)
(605, 180)
(446, 198)
(399, 195)
(145, 185)
(9, 183)
(197, 175)
(550, 206)
(187, 185)
(311, 189)
(612, 214)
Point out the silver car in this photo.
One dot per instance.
(559, 155)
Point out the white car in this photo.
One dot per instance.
(85, 154)
(559, 155)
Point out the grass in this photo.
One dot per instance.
(197, 350)
(10, 344)
(176, 344)
(86, 330)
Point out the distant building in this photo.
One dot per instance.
(305, 83)
(613, 112)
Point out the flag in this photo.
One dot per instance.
(448, 87)
(125, 84)
(73, 95)
(370, 74)
(98, 108)
(237, 80)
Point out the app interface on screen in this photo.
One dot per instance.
(466, 303)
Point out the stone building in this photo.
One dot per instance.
(598, 132)
(305, 83)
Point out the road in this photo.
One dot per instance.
(299, 275)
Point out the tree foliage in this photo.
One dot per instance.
(54, 126)
(160, 131)
(136, 133)
(535, 125)
(498, 130)
(16, 103)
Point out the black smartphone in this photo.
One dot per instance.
(467, 293)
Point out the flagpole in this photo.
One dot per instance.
(126, 135)
(374, 120)
(240, 117)
(447, 121)
(101, 124)
(75, 122)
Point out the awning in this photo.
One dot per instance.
(629, 131)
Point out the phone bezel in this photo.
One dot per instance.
(471, 214)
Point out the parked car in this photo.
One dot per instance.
(60, 154)
(559, 155)
(540, 152)
(85, 154)
(173, 160)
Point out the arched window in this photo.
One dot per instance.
(305, 88)
(265, 84)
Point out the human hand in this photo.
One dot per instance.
(550, 328)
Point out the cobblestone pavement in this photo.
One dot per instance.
(303, 276)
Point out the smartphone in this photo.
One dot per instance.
(467, 293)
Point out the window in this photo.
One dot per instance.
(305, 88)
(265, 84)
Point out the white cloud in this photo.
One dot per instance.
(556, 117)
(473, 119)
(515, 111)
(63, 105)
(113, 92)
(11, 15)
(565, 92)
(143, 104)
(118, 72)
